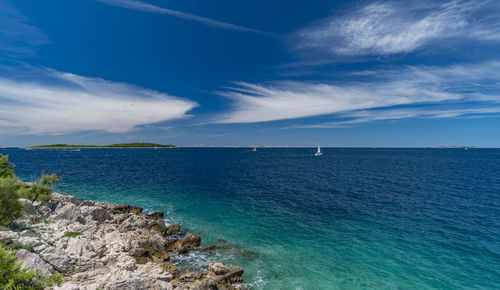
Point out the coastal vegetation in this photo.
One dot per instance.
(121, 145)
(12, 276)
(71, 234)
(39, 191)
(10, 207)
(12, 189)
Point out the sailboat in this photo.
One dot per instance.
(318, 153)
(254, 149)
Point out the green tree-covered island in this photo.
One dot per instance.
(121, 145)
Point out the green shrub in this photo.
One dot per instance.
(49, 179)
(10, 207)
(12, 276)
(17, 245)
(40, 191)
(6, 168)
(71, 234)
(57, 279)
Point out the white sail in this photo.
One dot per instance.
(318, 153)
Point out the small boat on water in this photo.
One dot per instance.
(254, 149)
(318, 153)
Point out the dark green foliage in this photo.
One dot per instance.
(71, 234)
(12, 276)
(138, 145)
(49, 179)
(6, 168)
(17, 245)
(57, 279)
(39, 191)
(10, 207)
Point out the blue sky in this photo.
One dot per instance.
(221, 73)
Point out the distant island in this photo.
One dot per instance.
(123, 145)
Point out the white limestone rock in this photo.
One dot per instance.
(33, 262)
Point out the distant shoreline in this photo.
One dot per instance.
(124, 145)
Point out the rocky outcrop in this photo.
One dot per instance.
(33, 261)
(111, 246)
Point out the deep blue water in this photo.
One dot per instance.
(352, 218)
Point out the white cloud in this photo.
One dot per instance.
(146, 7)
(366, 116)
(60, 103)
(384, 28)
(409, 86)
(17, 36)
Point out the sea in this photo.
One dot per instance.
(353, 218)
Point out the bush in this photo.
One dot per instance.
(40, 191)
(10, 207)
(57, 279)
(6, 168)
(17, 245)
(49, 179)
(12, 276)
(71, 234)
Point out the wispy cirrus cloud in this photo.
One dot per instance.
(411, 85)
(354, 118)
(45, 101)
(17, 36)
(385, 28)
(146, 7)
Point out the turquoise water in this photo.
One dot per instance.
(350, 219)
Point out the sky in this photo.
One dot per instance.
(241, 73)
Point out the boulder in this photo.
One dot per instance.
(234, 274)
(158, 227)
(217, 269)
(33, 262)
(183, 246)
(156, 215)
(190, 241)
(95, 213)
(52, 205)
(57, 258)
(68, 212)
(149, 248)
(173, 229)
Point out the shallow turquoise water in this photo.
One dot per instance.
(353, 218)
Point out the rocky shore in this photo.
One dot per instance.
(98, 245)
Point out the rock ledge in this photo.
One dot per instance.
(98, 245)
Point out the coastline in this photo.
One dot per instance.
(98, 245)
